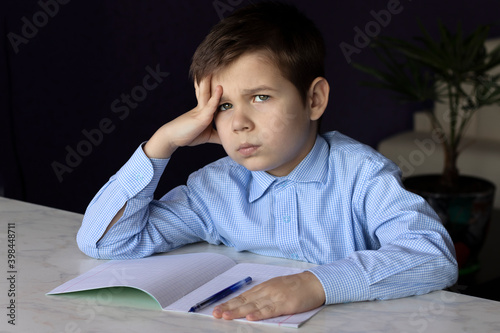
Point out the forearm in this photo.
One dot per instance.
(146, 226)
(136, 181)
(390, 272)
(96, 221)
(159, 147)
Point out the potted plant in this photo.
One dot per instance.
(453, 70)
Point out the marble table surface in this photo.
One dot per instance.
(46, 255)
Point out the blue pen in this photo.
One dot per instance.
(221, 294)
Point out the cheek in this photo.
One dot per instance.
(218, 123)
(222, 129)
(275, 126)
(282, 121)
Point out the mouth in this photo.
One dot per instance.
(247, 149)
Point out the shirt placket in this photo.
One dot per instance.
(285, 215)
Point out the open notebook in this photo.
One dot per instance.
(177, 282)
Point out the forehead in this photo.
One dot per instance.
(249, 69)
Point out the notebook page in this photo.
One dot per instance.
(165, 277)
(259, 273)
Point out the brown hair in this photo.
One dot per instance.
(293, 43)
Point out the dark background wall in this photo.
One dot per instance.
(67, 67)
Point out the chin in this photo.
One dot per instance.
(253, 166)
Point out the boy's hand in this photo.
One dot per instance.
(284, 295)
(191, 128)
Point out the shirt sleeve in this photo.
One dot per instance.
(147, 226)
(413, 253)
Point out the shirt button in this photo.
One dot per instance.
(286, 219)
(139, 176)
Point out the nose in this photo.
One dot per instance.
(241, 120)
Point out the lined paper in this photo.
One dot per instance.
(165, 277)
(177, 282)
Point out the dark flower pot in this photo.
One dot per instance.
(465, 212)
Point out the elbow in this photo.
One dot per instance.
(446, 265)
(92, 250)
(449, 273)
(87, 246)
(125, 249)
(446, 271)
(450, 265)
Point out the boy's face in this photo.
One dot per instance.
(262, 121)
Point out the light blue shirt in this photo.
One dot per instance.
(343, 207)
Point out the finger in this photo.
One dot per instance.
(240, 312)
(204, 91)
(240, 306)
(213, 102)
(209, 111)
(233, 303)
(262, 308)
(235, 313)
(266, 312)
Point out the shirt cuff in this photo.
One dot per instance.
(141, 174)
(343, 281)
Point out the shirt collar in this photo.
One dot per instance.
(313, 168)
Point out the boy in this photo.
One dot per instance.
(283, 190)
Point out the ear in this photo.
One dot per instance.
(318, 97)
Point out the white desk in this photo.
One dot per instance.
(47, 255)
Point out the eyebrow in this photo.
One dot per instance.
(251, 91)
(256, 90)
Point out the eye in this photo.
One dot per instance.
(261, 98)
(225, 106)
